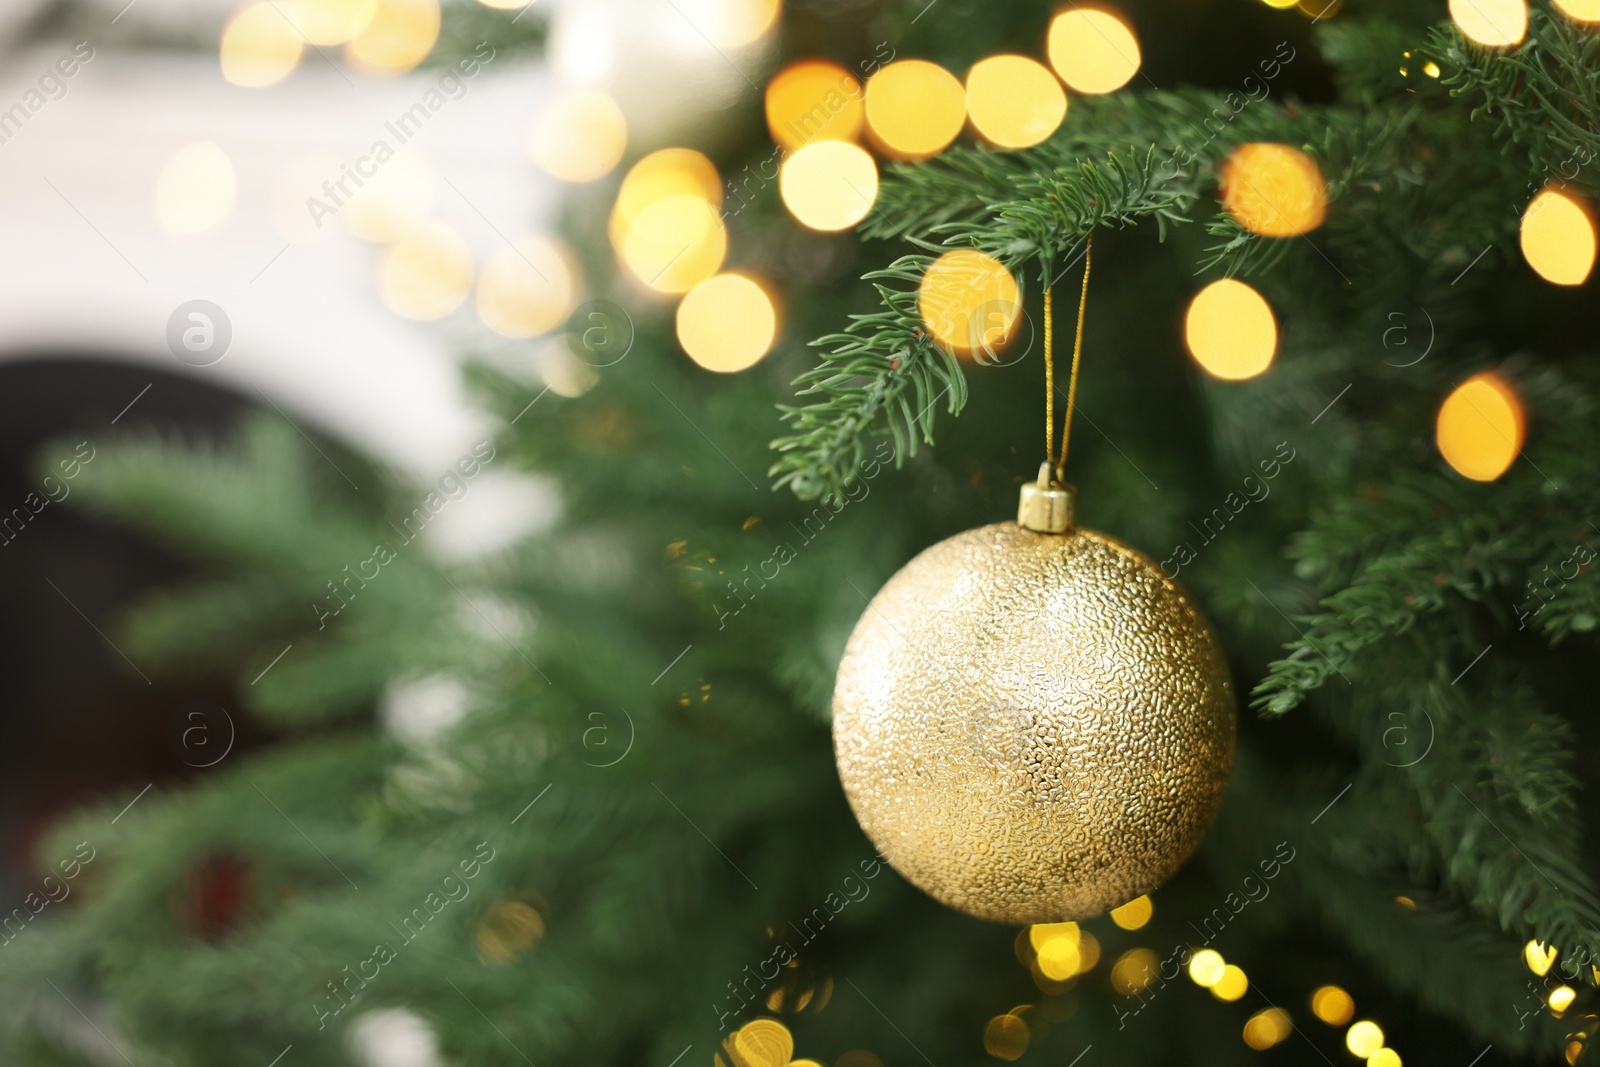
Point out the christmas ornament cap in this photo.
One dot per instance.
(1047, 505)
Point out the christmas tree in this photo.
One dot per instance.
(1336, 380)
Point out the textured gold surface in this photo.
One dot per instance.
(1033, 727)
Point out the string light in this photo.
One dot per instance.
(1013, 101)
(1539, 957)
(330, 22)
(1273, 190)
(1580, 10)
(668, 172)
(1364, 1038)
(1206, 967)
(1005, 1037)
(526, 289)
(727, 323)
(399, 36)
(829, 185)
(259, 47)
(814, 100)
(1558, 237)
(1230, 330)
(1384, 1057)
(914, 108)
(579, 136)
(1332, 1005)
(1231, 985)
(1093, 51)
(426, 274)
(195, 190)
(969, 301)
(1480, 427)
(1561, 998)
(1059, 959)
(758, 1043)
(675, 243)
(728, 23)
(1493, 23)
(1134, 971)
(1134, 914)
(1266, 1028)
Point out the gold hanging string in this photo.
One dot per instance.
(1077, 352)
(1049, 378)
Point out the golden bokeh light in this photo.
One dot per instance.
(511, 928)
(1094, 51)
(1230, 330)
(1384, 1057)
(1281, 5)
(1332, 1005)
(1134, 970)
(579, 136)
(829, 185)
(675, 243)
(1088, 953)
(1059, 959)
(1266, 1028)
(527, 288)
(1561, 998)
(1041, 934)
(1013, 101)
(1273, 190)
(426, 274)
(1363, 1038)
(1134, 914)
(1005, 1037)
(1539, 957)
(1206, 967)
(969, 302)
(727, 323)
(762, 1043)
(1580, 10)
(1480, 427)
(195, 190)
(914, 108)
(400, 35)
(1494, 23)
(668, 172)
(1231, 985)
(259, 47)
(1558, 237)
(814, 100)
(728, 23)
(329, 22)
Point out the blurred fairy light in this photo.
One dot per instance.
(1266, 1028)
(399, 36)
(727, 323)
(1332, 1005)
(426, 274)
(1230, 330)
(729, 23)
(1005, 1037)
(758, 1043)
(582, 48)
(668, 172)
(1059, 958)
(1384, 1057)
(1014, 102)
(813, 100)
(1493, 23)
(1561, 998)
(1134, 914)
(1281, 5)
(914, 108)
(1558, 238)
(1231, 985)
(1206, 967)
(675, 243)
(260, 47)
(1273, 190)
(195, 190)
(1093, 51)
(579, 136)
(1539, 957)
(1480, 427)
(394, 202)
(330, 22)
(1580, 10)
(829, 185)
(969, 301)
(1363, 1038)
(527, 288)
(1133, 972)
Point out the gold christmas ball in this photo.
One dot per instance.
(1033, 726)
